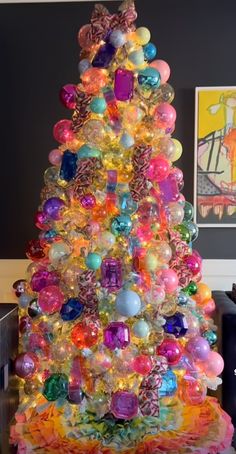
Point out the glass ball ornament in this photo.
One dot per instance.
(171, 350)
(169, 279)
(142, 35)
(178, 150)
(83, 65)
(159, 169)
(128, 303)
(124, 405)
(93, 261)
(149, 78)
(63, 132)
(93, 131)
(34, 310)
(68, 96)
(142, 364)
(75, 394)
(88, 201)
(164, 115)
(213, 365)
(150, 51)
(26, 364)
(141, 329)
(25, 324)
(136, 57)
(94, 79)
(203, 293)
(198, 347)
(192, 391)
(166, 147)
(53, 208)
(58, 251)
(163, 68)
(192, 228)
(61, 350)
(55, 157)
(84, 335)
(98, 105)
(210, 336)
(184, 232)
(188, 211)
(85, 37)
(117, 38)
(50, 299)
(175, 213)
(106, 240)
(121, 225)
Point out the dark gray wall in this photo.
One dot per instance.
(39, 54)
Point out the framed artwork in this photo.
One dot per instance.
(215, 157)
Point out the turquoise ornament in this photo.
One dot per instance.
(88, 152)
(149, 78)
(141, 329)
(121, 225)
(192, 228)
(150, 51)
(98, 105)
(93, 261)
(137, 57)
(128, 303)
(188, 211)
(55, 387)
(210, 336)
(169, 385)
(127, 204)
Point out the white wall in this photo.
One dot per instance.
(218, 274)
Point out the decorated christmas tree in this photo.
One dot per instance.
(117, 343)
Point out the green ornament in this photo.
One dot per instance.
(184, 232)
(188, 211)
(192, 228)
(210, 336)
(56, 386)
(93, 261)
(191, 288)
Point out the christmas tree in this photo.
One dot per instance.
(117, 343)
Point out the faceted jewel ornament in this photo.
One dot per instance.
(116, 335)
(176, 324)
(55, 386)
(124, 405)
(71, 310)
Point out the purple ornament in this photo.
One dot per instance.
(169, 189)
(88, 201)
(52, 208)
(75, 394)
(198, 347)
(116, 335)
(68, 96)
(124, 405)
(176, 324)
(111, 274)
(26, 364)
(124, 84)
(104, 56)
(43, 278)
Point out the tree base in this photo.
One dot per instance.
(204, 429)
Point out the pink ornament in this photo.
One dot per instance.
(159, 169)
(142, 364)
(199, 348)
(144, 233)
(63, 132)
(214, 364)
(37, 342)
(192, 391)
(209, 306)
(178, 174)
(68, 96)
(169, 279)
(26, 364)
(50, 299)
(165, 115)
(163, 68)
(55, 157)
(172, 351)
(193, 263)
(88, 201)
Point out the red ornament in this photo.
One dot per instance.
(142, 364)
(84, 335)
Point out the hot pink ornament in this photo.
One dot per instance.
(172, 351)
(165, 115)
(68, 96)
(63, 132)
(41, 220)
(159, 169)
(199, 348)
(142, 364)
(169, 279)
(209, 306)
(163, 68)
(55, 157)
(50, 299)
(193, 263)
(26, 364)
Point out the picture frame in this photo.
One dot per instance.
(215, 157)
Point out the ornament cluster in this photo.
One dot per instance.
(114, 318)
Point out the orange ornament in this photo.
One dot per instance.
(84, 335)
(93, 80)
(203, 293)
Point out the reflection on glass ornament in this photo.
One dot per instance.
(26, 364)
(171, 349)
(169, 385)
(50, 299)
(121, 225)
(150, 51)
(149, 78)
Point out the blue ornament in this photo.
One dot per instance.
(104, 56)
(127, 204)
(141, 329)
(84, 65)
(117, 38)
(182, 299)
(24, 300)
(169, 385)
(98, 105)
(127, 141)
(121, 225)
(128, 303)
(68, 166)
(150, 51)
(88, 152)
(176, 324)
(93, 261)
(71, 310)
(149, 78)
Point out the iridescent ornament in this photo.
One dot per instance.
(149, 78)
(172, 351)
(169, 385)
(26, 364)
(42, 278)
(34, 310)
(150, 51)
(198, 347)
(210, 336)
(165, 115)
(53, 208)
(124, 405)
(142, 364)
(50, 299)
(68, 95)
(94, 79)
(188, 211)
(84, 335)
(55, 387)
(116, 335)
(192, 391)
(128, 303)
(121, 225)
(169, 279)
(63, 131)
(127, 205)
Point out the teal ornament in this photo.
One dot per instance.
(169, 385)
(88, 152)
(128, 303)
(98, 105)
(55, 387)
(141, 329)
(210, 336)
(127, 141)
(150, 51)
(188, 211)
(192, 228)
(149, 78)
(121, 225)
(93, 261)
(127, 204)
(137, 57)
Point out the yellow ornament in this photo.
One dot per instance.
(178, 150)
(142, 35)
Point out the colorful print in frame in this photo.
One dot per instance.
(215, 157)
